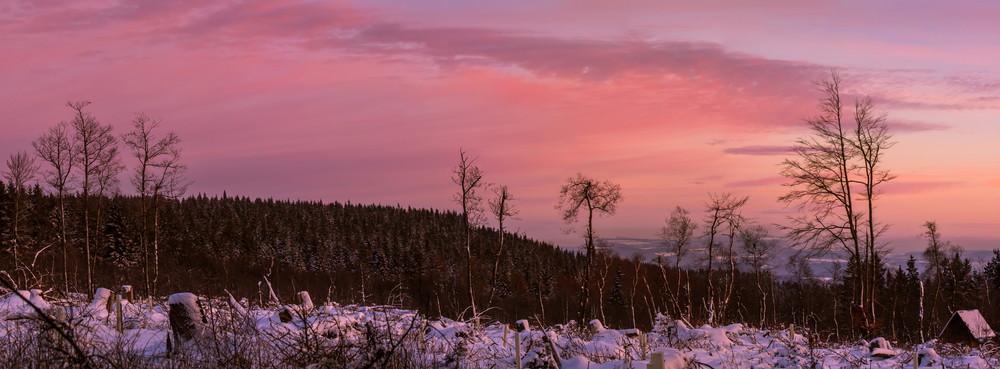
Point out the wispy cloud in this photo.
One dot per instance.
(758, 150)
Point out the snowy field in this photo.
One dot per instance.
(229, 333)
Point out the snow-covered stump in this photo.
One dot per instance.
(186, 319)
(35, 296)
(100, 307)
(880, 348)
(667, 359)
(127, 294)
(522, 325)
(928, 357)
(305, 301)
(596, 326)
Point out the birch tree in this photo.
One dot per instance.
(21, 168)
(96, 161)
(502, 208)
(158, 173)
(56, 149)
(835, 178)
(469, 179)
(758, 251)
(594, 197)
(721, 211)
(676, 237)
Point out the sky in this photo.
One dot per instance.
(370, 102)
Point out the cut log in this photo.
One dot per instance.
(186, 318)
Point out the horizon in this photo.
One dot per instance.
(369, 103)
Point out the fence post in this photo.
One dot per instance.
(517, 350)
(655, 361)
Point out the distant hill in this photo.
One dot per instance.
(822, 266)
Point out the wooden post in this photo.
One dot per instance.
(505, 330)
(791, 332)
(656, 361)
(643, 344)
(517, 350)
(119, 320)
(916, 358)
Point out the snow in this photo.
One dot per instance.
(183, 298)
(445, 342)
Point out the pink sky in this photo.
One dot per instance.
(370, 102)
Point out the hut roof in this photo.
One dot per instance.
(973, 323)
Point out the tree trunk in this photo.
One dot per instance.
(585, 301)
(62, 238)
(156, 244)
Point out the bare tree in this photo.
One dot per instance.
(936, 255)
(677, 236)
(593, 196)
(158, 174)
(871, 140)
(734, 223)
(935, 251)
(469, 179)
(21, 168)
(758, 251)
(502, 208)
(722, 210)
(96, 160)
(56, 149)
(829, 165)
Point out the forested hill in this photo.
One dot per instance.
(371, 254)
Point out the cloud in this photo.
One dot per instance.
(758, 150)
(909, 126)
(760, 182)
(898, 187)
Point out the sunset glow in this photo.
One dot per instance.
(369, 102)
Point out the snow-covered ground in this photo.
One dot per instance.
(232, 334)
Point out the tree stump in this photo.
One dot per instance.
(305, 301)
(127, 293)
(522, 325)
(100, 307)
(186, 318)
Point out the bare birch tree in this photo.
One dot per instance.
(831, 167)
(502, 208)
(96, 160)
(758, 251)
(56, 149)
(469, 179)
(593, 196)
(21, 168)
(677, 236)
(721, 211)
(157, 174)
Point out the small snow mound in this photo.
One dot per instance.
(597, 326)
(15, 303)
(879, 343)
(671, 359)
(37, 300)
(185, 298)
(928, 357)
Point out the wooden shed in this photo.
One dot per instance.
(966, 326)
